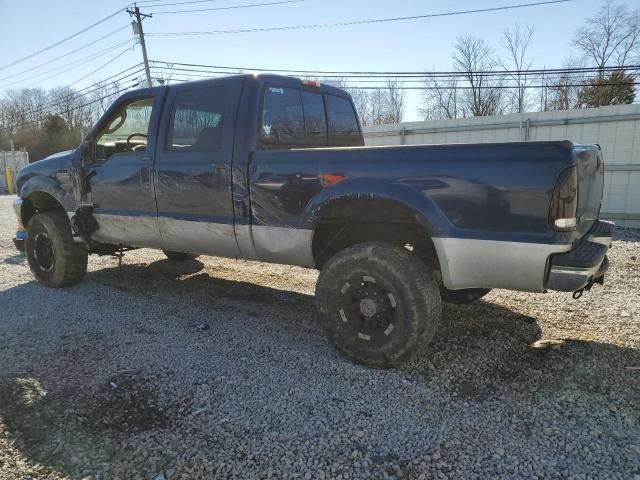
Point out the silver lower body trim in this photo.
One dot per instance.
(138, 231)
(198, 237)
(470, 263)
(290, 246)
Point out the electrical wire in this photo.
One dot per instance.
(66, 54)
(102, 66)
(70, 65)
(60, 42)
(83, 92)
(232, 7)
(529, 80)
(500, 87)
(341, 74)
(359, 22)
(40, 119)
(173, 3)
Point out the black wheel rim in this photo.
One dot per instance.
(368, 310)
(43, 252)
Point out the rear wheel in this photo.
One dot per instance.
(55, 259)
(377, 303)
(179, 256)
(467, 295)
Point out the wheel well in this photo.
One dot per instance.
(38, 202)
(347, 223)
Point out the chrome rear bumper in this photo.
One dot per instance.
(585, 264)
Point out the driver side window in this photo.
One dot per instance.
(127, 129)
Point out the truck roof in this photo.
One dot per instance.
(279, 80)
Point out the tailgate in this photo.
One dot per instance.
(590, 168)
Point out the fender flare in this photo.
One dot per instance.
(49, 186)
(425, 211)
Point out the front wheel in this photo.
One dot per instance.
(55, 259)
(377, 303)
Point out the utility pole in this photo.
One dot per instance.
(137, 30)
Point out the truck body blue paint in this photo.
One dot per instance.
(241, 196)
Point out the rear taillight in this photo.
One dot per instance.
(564, 202)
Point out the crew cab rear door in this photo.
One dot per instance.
(193, 168)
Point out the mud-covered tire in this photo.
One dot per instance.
(179, 256)
(377, 303)
(55, 259)
(465, 296)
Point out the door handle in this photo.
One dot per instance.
(147, 158)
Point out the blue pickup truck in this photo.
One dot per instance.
(274, 169)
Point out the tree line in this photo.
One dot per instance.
(590, 77)
(26, 117)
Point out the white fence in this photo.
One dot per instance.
(615, 128)
(10, 163)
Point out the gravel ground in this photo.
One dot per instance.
(114, 379)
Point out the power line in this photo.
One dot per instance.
(83, 92)
(173, 3)
(233, 7)
(101, 66)
(530, 80)
(40, 119)
(66, 54)
(502, 87)
(60, 42)
(69, 66)
(360, 22)
(545, 71)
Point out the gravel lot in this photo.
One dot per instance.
(114, 379)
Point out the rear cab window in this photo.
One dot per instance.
(197, 120)
(298, 118)
(343, 126)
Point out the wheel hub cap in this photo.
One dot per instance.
(368, 307)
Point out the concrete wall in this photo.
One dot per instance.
(615, 128)
(14, 161)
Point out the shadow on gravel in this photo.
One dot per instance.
(15, 259)
(182, 280)
(482, 352)
(60, 428)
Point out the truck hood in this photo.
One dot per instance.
(49, 166)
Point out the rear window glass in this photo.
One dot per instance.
(343, 123)
(196, 123)
(315, 121)
(292, 117)
(282, 117)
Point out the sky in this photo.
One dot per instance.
(415, 45)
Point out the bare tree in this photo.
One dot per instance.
(71, 106)
(376, 106)
(104, 94)
(562, 91)
(472, 57)
(441, 99)
(395, 101)
(612, 36)
(517, 42)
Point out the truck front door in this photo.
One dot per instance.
(193, 169)
(120, 173)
